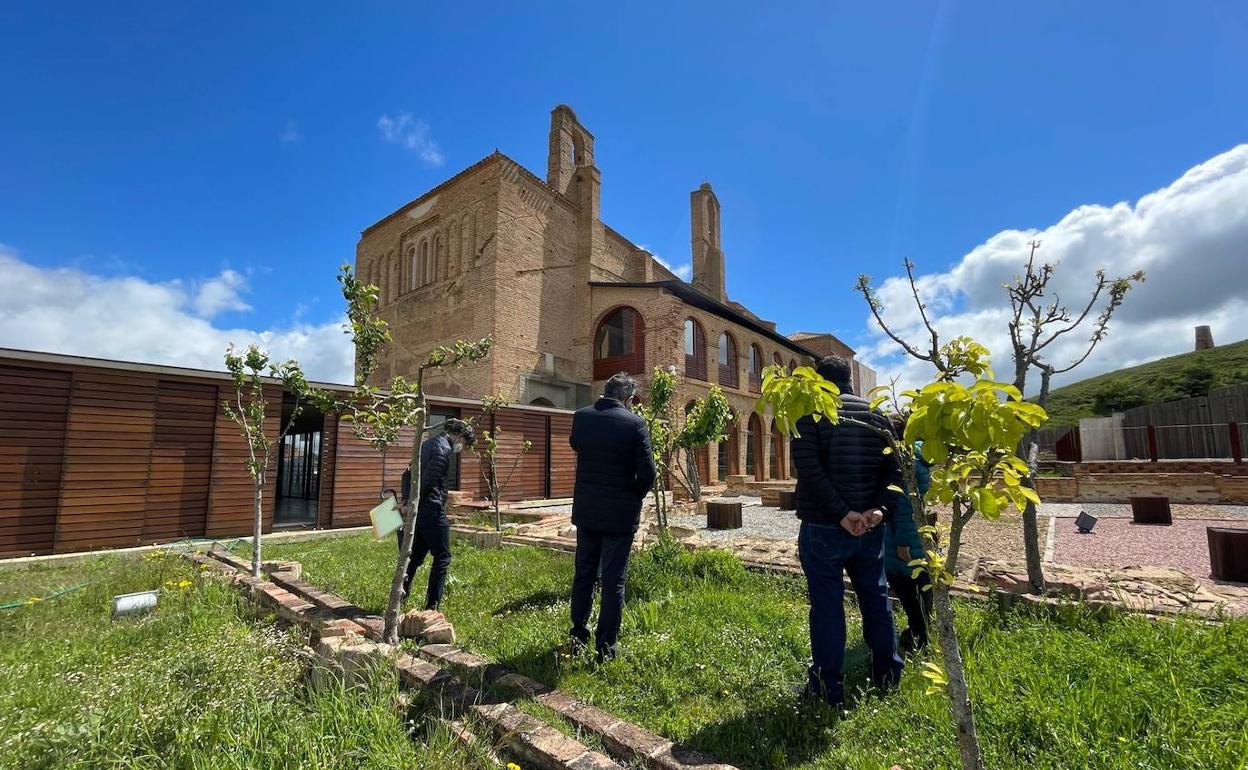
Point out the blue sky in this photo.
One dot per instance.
(162, 144)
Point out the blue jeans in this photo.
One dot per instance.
(600, 556)
(827, 551)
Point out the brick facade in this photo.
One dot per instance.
(497, 251)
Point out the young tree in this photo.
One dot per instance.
(1036, 322)
(401, 405)
(248, 410)
(969, 433)
(487, 449)
(704, 423)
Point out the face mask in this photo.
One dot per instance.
(457, 447)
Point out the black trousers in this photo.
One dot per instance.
(433, 537)
(916, 602)
(606, 554)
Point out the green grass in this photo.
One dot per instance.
(1165, 379)
(199, 683)
(711, 654)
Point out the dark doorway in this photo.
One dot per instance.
(299, 469)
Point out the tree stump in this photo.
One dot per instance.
(1228, 553)
(788, 501)
(1150, 510)
(723, 515)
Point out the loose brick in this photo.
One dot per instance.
(628, 740)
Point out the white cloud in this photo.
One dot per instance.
(412, 133)
(290, 134)
(683, 272)
(67, 310)
(1190, 237)
(220, 294)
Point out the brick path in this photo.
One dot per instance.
(484, 691)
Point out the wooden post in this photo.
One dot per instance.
(1150, 510)
(1237, 448)
(1228, 553)
(723, 515)
(1152, 442)
(788, 501)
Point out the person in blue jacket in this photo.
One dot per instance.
(903, 544)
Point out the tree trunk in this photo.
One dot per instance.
(259, 522)
(390, 635)
(496, 493)
(955, 672)
(1031, 527)
(695, 482)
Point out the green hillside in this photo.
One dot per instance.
(1166, 379)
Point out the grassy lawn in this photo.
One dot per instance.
(199, 683)
(711, 654)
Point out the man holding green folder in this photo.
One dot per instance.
(433, 531)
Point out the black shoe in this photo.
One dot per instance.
(606, 654)
(579, 646)
(908, 642)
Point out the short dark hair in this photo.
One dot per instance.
(835, 369)
(457, 427)
(621, 387)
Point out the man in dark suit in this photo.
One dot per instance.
(433, 530)
(843, 477)
(614, 472)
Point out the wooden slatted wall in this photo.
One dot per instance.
(329, 454)
(108, 449)
(358, 474)
(33, 408)
(514, 427)
(180, 475)
(231, 503)
(562, 458)
(470, 478)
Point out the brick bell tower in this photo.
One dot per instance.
(570, 171)
(708, 256)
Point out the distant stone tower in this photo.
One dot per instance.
(1204, 338)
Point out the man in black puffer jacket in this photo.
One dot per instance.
(614, 471)
(843, 476)
(433, 530)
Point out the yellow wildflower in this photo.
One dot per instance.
(34, 599)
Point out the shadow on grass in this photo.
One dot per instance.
(783, 731)
(537, 600)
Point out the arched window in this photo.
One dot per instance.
(619, 344)
(695, 350)
(728, 375)
(541, 401)
(756, 367)
(699, 459)
(727, 465)
(435, 261)
(792, 364)
(754, 448)
(778, 466)
(413, 268)
(422, 264)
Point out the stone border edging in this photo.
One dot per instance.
(296, 599)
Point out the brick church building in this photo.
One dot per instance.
(497, 251)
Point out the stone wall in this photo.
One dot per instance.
(1120, 487)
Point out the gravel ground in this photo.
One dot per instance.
(1123, 510)
(1000, 539)
(756, 521)
(1116, 542)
